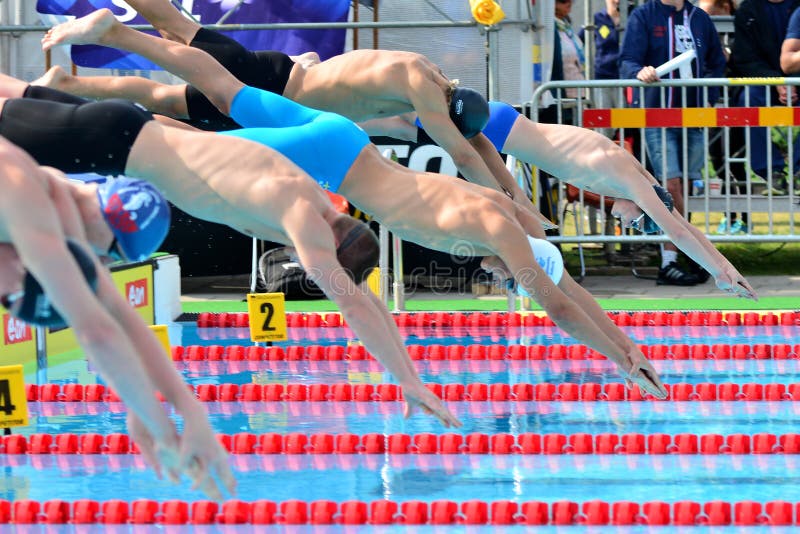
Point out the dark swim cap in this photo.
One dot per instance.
(137, 213)
(649, 226)
(34, 306)
(469, 111)
(358, 249)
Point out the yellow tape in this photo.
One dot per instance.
(757, 81)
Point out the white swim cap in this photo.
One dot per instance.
(549, 259)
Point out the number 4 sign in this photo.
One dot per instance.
(267, 316)
(13, 402)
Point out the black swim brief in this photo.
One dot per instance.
(265, 69)
(38, 92)
(89, 137)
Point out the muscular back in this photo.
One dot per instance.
(365, 84)
(217, 178)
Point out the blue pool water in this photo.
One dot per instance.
(455, 477)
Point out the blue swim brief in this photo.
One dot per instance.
(323, 144)
(501, 119)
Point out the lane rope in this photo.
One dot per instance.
(384, 512)
(472, 392)
(428, 443)
(469, 319)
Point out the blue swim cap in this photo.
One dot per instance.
(137, 213)
(469, 111)
(649, 226)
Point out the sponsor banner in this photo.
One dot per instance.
(19, 339)
(326, 43)
(19, 343)
(136, 285)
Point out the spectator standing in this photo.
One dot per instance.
(606, 43)
(572, 57)
(790, 51)
(657, 32)
(736, 146)
(759, 31)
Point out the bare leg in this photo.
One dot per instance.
(11, 87)
(169, 100)
(193, 65)
(170, 23)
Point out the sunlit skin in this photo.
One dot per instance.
(402, 199)
(39, 209)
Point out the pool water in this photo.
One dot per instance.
(456, 477)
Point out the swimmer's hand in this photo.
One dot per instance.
(161, 456)
(202, 457)
(732, 282)
(547, 224)
(638, 370)
(418, 396)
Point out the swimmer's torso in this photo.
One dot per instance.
(362, 84)
(218, 181)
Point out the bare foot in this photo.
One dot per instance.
(53, 78)
(85, 30)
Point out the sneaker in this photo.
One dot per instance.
(674, 275)
(738, 227)
(723, 226)
(775, 192)
(698, 272)
(779, 184)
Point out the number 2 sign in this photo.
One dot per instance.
(267, 316)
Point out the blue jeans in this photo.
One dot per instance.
(758, 136)
(673, 153)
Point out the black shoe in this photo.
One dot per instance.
(698, 272)
(673, 275)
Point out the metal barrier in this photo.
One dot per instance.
(722, 121)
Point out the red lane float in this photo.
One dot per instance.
(428, 443)
(499, 319)
(473, 392)
(476, 352)
(384, 512)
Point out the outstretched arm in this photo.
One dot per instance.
(315, 247)
(569, 314)
(694, 243)
(431, 106)
(510, 186)
(397, 127)
(38, 237)
(201, 455)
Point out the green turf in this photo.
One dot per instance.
(471, 304)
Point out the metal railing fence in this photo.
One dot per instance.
(735, 111)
